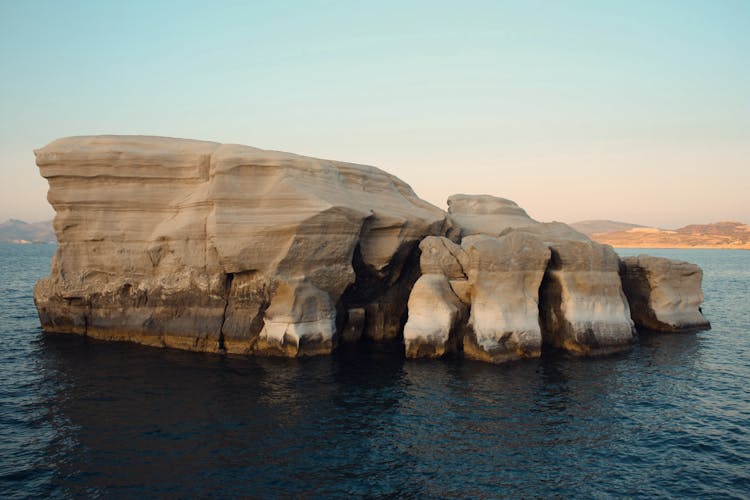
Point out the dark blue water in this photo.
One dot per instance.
(85, 418)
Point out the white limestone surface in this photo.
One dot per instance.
(434, 313)
(222, 247)
(505, 274)
(529, 283)
(583, 308)
(485, 214)
(185, 243)
(665, 294)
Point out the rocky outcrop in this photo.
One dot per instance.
(665, 295)
(436, 314)
(504, 275)
(226, 248)
(530, 284)
(440, 255)
(484, 214)
(583, 309)
(209, 246)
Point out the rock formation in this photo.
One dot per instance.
(227, 248)
(664, 295)
(504, 275)
(529, 284)
(582, 305)
(209, 246)
(435, 312)
(484, 214)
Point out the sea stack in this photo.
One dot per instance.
(207, 246)
(665, 295)
(532, 284)
(227, 248)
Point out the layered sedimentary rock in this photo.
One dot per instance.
(664, 294)
(582, 305)
(210, 246)
(484, 214)
(504, 275)
(218, 247)
(440, 255)
(436, 314)
(530, 284)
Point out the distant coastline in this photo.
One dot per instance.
(727, 235)
(675, 246)
(19, 232)
(27, 242)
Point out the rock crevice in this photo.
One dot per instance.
(227, 248)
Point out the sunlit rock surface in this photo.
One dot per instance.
(529, 284)
(505, 274)
(484, 214)
(583, 309)
(208, 246)
(227, 248)
(441, 256)
(664, 294)
(436, 313)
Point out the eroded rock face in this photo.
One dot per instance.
(211, 247)
(583, 308)
(484, 214)
(208, 246)
(434, 319)
(505, 274)
(440, 255)
(664, 294)
(529, 283)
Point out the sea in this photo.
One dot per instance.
(83, 418)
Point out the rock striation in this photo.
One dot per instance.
(505, 274)
(484, 214)
(529, 284)
(665, 295)
(227, 248)
(435, 312)
(208, 246)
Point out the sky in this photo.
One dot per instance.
(637, 111)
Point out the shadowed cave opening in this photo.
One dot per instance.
(551, 319)
(558, 334)
(383, 299)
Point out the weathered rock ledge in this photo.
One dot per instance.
(226, 248)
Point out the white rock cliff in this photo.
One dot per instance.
(227, 248)
(532, 284)
(209, 246)
(665, 295)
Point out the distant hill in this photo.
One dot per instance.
(18, 231)
(716, 235)
(589, 227)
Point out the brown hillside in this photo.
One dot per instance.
(716, 235)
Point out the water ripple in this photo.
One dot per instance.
(85, 418)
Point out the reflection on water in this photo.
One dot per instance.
(128, 420)
(87, 418)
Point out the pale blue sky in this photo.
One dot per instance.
(630, 110)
